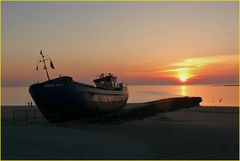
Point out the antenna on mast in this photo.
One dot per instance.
(44, 63)
(45, 67)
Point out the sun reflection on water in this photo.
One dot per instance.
(183, 90)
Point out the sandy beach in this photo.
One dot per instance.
(192, 133)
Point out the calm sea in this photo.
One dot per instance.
(211, 95)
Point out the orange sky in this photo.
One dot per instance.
(141, 42)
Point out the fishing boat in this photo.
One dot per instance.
(63, 98)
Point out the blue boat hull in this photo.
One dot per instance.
(73, 100)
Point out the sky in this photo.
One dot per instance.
(140, 42)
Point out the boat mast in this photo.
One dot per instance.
(45, 67)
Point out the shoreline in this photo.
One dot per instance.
(34, 106)
(129, 110)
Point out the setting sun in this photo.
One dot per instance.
(183, 77)
(182, 74)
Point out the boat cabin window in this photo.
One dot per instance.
(107, 81)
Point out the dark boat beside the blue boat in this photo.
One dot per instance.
(63, 98)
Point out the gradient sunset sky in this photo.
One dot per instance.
(141, 42)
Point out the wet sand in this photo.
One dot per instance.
(192, 133)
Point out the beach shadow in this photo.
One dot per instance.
(133, 113)
(114, 118)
